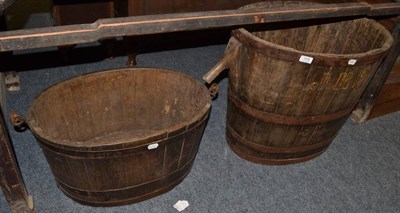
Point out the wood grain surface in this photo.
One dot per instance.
(285, 109)
(120, 136)
(142, 25)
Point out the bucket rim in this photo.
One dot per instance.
(326, 59)
(158, 135)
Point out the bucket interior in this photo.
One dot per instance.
(342, 38)
(116, 106)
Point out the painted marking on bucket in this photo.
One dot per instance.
(152, 146)
(352, 61)
(306, 59)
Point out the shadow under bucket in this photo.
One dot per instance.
(120, 136)
(291, 90)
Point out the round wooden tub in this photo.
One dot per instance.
(291, 88)
(120, 136)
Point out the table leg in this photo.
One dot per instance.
(367, 100)
(10, 176)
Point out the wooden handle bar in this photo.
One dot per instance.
(153, 24)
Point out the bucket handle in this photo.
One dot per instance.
(18, 121)
(225, 62)
(213, 90)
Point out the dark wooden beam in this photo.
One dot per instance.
(384, 9)
(367, 100)
(153, 24)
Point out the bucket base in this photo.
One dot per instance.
(269, 158)
(129, 195)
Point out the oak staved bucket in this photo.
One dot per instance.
(120, 136)
(291, 90)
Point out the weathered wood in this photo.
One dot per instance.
(64, 35)
(282, 110)
(384, 9)
(4, 4)
(151, 7)
(97, 130)
(387, 102)
(371, 93)
(12, 81)
(11, 181)
(67, 12)
(10, 177)
(147, 7)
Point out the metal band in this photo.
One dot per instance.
(99, 197)
(278, 150)
(272, 161)
(122, 148)
(283, 119)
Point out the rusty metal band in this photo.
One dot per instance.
(183, 168)
(97, 197)
(272, 161)
(278, 150)
(288, 54)
(129, 148)
(283, 119)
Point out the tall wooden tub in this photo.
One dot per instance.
(291, 90)
(120, 136)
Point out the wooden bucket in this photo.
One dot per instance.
(120, 136)
(291, 90)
